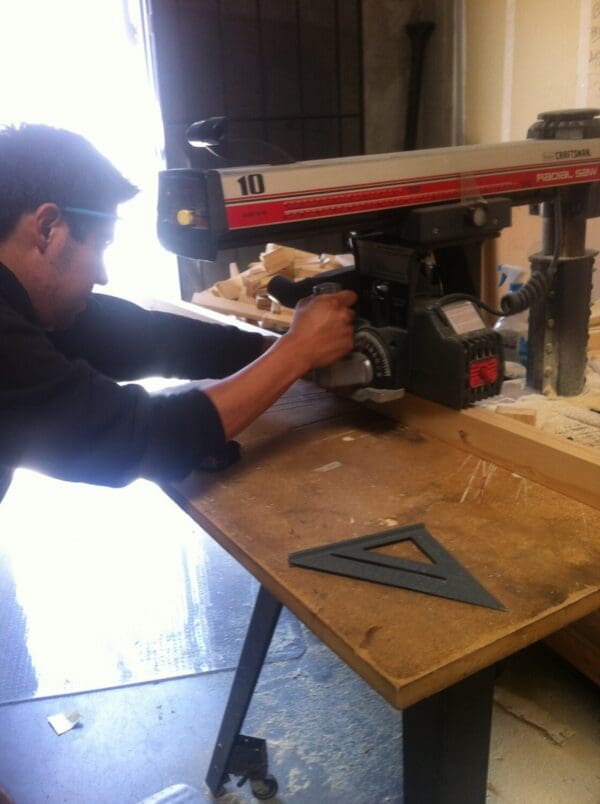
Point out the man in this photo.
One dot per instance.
(63, 350)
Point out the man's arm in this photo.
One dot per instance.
(62, 417)
(126, 342)
(321, 332)
(66, 419)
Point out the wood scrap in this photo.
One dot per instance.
(299, 254)
(229, 288)
(594, 328)
(303, 269)
(245, 293)
(594, 339)
(251, 278)
(277, 259)
(246, 310)
(519, 413)
(263, 302)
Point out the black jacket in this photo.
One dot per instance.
(63, 412)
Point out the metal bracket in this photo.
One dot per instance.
(357, 558)
(379, 395)
(248, 759)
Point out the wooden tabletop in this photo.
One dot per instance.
(317, 469)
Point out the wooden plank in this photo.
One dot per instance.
(579, 644)
(518, 413)
(555, 462)
(241, 309)
(594, 339)
(316, 470)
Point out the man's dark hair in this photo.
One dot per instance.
(40, 164)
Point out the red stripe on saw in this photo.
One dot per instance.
(268, 212)
(472, 175)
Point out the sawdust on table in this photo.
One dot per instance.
(576, 418)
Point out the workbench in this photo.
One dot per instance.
(317, 469)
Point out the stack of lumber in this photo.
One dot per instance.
(245, 293)
(579, 644)
(594, 325)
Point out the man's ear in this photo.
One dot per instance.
(46, 219)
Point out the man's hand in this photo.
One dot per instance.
(322, 328)
(321, 333)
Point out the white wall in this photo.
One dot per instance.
(524, 57)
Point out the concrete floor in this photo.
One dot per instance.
(331, 738)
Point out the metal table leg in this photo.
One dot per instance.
(446, 743)
(258, 638)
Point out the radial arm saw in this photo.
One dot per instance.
(416, 222)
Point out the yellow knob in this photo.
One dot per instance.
(185, 217)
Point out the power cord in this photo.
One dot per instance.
(537, 286)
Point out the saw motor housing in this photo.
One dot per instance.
(407, 338)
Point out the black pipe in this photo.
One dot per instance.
(419, 33)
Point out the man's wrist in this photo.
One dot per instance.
(294, 357)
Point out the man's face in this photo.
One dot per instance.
(72, 270)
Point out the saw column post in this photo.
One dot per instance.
(558, 319)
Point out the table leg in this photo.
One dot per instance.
(258, 638)
(446, 743)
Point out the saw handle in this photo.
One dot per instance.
(289, 293)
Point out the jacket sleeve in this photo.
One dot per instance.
(126, 342)
(66, 419)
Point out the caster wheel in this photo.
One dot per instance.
(262, 789)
